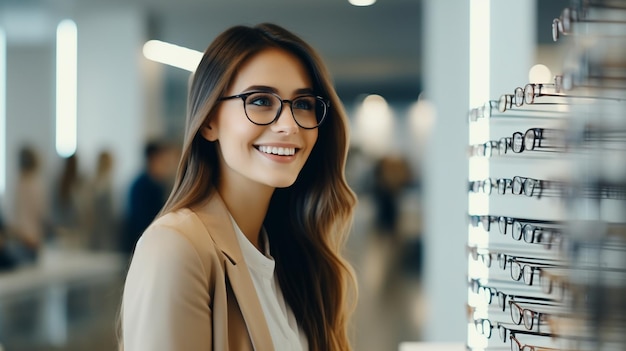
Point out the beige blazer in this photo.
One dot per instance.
(188, 287)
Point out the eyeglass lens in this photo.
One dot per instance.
(263, 108)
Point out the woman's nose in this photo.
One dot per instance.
(285, 123)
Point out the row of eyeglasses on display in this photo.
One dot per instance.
(547, 260)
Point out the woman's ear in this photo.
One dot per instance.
(209, 132)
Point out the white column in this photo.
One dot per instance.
(513, 43)
(446, 81)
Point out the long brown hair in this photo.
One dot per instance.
(308, 222)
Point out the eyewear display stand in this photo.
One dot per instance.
(547, 198)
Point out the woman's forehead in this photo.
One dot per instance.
(272, 67)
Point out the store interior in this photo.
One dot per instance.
(414, 77)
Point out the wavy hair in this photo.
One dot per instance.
(308, 222)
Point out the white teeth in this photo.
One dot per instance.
(282, 151)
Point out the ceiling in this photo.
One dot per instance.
(375, 49)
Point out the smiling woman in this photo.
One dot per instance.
(246, 253)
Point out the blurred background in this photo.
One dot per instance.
(90, 126)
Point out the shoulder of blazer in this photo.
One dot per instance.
(215, 218)
(206, 226)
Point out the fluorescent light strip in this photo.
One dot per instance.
(362, 2)
(479, 52)
(480, 17)
(172, 55)
(479, 78)
(3, 111)
(66, 88)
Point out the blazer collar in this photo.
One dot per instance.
(216, 219)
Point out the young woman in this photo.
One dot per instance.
(245, 254)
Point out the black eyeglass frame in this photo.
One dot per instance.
(244, 97)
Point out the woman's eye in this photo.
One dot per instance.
(261, 100)
(304, 104)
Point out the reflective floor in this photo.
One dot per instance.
(388, 271)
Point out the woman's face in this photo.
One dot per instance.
(270, 155)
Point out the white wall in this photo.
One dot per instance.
(30, 109)
(118, 104)
(111, 98)
(446, 81)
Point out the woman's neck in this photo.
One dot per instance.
(248, 205)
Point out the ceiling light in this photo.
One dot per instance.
(362, 2)
(66, 88)
(539, 74)
(172, 55)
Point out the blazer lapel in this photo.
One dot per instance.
(216, 219)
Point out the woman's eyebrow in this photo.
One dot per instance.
(261, 88)
(301, 91)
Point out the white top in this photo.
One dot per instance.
(282, 324)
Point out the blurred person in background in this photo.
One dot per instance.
(246, 253)
(391, 178)
(7, 261)
(70, 205)
(148, 191)
(392, 175)
(103, 223)
(30, 222)
(358, 170)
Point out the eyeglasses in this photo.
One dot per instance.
(483, 291)
(517, 346)
(563, 24)
(264, 108)
(484, 149)
(502, 299)
(502, 329)
(531, 91)
(486, 257)
(518, 185)
(548, 236)
(483, 326)
(533, 139)
(484, 186)
(527, 315)
(487, 293)
(528, 94)
(504, 145)
(584, 78)
(525, 268)
(517, 99)
(536, 139)
(534, 187)
(483, 111)
(532, 234)
(505, 102)
(485, 220)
